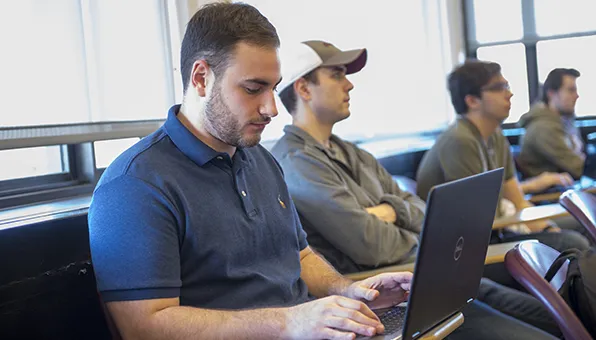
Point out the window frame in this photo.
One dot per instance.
(529, 39)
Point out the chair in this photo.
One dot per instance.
(528, 262)
(582, 206)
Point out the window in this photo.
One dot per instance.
(564, 17)
(72, 61)
(133, 75)
(107, 150)
(512, 59)
(555, 53)
(498, 20)
(42, 63)
(29, 162)
(552, 34)
(406, 61)
(67, 63)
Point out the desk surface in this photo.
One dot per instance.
(495, 254)
(531, 214)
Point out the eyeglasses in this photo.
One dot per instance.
(497, 87)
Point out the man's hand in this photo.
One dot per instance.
(333, 317)
(381, 291)
(384, 212)
(549, 179)
(539, 226)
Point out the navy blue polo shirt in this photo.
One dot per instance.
(171, 217)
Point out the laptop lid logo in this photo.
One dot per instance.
(459, 248)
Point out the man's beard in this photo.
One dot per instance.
(223, 125)
(567, 113)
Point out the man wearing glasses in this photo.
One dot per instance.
(474, 144)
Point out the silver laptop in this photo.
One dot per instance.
(450, 260)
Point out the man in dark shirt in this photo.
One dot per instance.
(192, 230)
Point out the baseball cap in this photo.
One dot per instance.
(299, 59)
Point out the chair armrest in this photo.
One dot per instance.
(548, 197)
(445, 328)
(495, 254)
(531, 214)
(553, 196)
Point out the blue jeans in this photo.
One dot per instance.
(483, 322)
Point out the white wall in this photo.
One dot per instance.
(403, 87)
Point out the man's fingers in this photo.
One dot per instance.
(357, 305)
(356, 316)
(346, 324)
(362, 292)
(329, 333)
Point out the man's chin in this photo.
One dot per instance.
(248, 142)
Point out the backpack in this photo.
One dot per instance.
(579, 288)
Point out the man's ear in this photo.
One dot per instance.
(472, 102)
(302, 89)
(550, 94)
(198, 77)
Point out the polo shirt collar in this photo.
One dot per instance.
(190, 145)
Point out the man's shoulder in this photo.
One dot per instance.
(456, 134)
(290, 148)
(147, 155)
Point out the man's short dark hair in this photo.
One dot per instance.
(288, 95)
(554, 80)
(213, 32)
(468, 79)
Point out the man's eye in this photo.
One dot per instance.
(251, 90)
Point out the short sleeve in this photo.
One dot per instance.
(133, 234)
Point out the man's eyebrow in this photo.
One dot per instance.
(262, 81)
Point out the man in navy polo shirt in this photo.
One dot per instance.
(192, 230)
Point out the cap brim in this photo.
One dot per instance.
(353, 60)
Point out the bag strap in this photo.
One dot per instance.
(568, 254)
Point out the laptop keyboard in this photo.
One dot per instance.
(393, 320)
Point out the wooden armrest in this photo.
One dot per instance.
(495, 254)
(445, 328)
(531, 214)
(553, 196)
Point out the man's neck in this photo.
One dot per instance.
(190, 116)
(486, 126)
(321, 132)
(554, 109)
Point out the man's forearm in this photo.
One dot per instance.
(320, 277)
(529, 186)
(179, 322)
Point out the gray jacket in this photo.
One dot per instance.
(331, 198)
(550, 143)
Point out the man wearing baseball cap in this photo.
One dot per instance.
(352, 210)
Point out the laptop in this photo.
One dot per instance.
(450, 260)
(582, 184)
